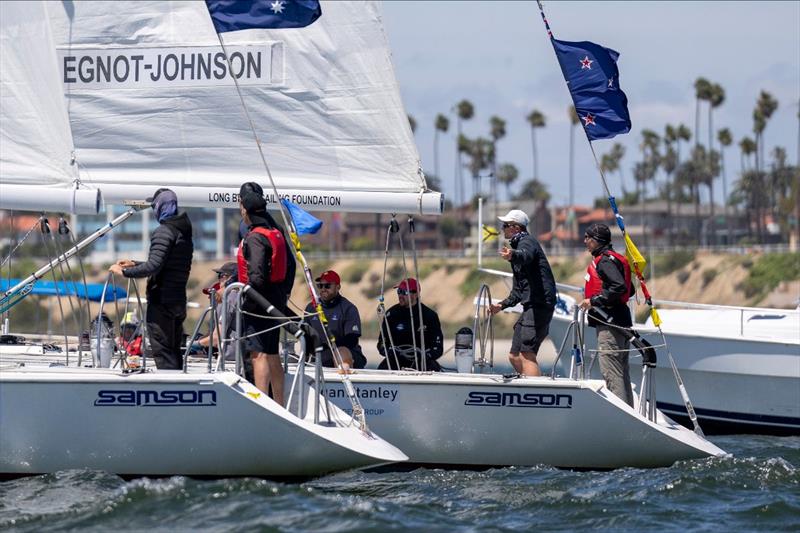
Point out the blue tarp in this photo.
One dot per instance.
(93, 291)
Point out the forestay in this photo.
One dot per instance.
(35, 139)
(152, 103)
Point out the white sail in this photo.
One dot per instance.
(35, 139)
(152, 103)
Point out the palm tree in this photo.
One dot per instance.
(702, 91)
(497, 130)
(413, 123)
(573, 121)
(537, 120)
(716, 96)
(765, 107)
(617, 153)
(464, 111)
(669, 162)
(684, 134)
(507, 174)
(442, 125)
(725, 139)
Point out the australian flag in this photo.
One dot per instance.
(593, 80)
(233, 15)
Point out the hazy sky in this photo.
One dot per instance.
(497, 55)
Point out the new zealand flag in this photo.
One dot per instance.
(234, 15)
(593, 80)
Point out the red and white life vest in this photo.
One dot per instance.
(277, 273)
(594, 285)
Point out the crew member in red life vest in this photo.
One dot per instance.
(265, 262)
(130, 339)
(608, 287)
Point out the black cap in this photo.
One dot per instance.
(230, 268)
(151, 199)
(251, 195)
(599, 232)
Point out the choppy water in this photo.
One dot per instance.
(757, 489)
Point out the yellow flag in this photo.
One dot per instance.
(635, 259)
(489, 234)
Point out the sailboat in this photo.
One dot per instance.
(741, 364)
(71, 146)
(337, 138)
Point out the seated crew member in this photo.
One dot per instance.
(226, 274)
(130, 339)
(344, 322)
(396, 342)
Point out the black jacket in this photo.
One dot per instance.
(257, 251)
(399, 322)
(612, 275)
(169, 261)
(344, 323)
(534, 284)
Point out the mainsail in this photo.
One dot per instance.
(152, 103)
(37, 170)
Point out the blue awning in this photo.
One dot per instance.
(92, 291)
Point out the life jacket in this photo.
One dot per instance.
(133, 346)
(594, 285)
(279, 262)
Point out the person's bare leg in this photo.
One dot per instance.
(275, 377)
(260, 371)
(516, 362)
(529, 365)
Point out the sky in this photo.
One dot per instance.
(498, 56)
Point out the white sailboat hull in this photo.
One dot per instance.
(166, 423)
(737, 383)
(486, 420)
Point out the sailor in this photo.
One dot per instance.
(534, 287)
(130, 339)
(265, 262)
(226, 274)
(608, 288)
(167, 268)
(344, 322)
(400, 333)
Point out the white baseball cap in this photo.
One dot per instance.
(516, 216)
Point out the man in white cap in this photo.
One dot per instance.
(534, 287)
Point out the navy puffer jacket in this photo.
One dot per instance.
(169, 261)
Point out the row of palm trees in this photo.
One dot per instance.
(759, 191)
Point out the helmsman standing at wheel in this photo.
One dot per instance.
(534, 287)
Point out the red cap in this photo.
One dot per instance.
(215, 286)
(409, 284)
(329, 276)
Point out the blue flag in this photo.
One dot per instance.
(233, 15)
(304, 221)
(593, 80)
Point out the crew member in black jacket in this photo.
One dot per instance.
(608, 288)
(167, 268)
(534, 287)
(398, 337)
(265, 262)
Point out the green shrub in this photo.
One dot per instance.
(708, 275)
(472, 283)
(768, 271)
(564, 270)
(668, 263)
(361, 244)
(355, 271)
(683, 275)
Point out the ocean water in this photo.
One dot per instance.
(758, 488)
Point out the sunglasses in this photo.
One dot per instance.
(404, 292)
(508, 225)
(324, 285)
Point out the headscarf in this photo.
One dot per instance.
(165, 204)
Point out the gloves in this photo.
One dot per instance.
(196, 347)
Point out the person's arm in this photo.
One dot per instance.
(258, 253)
(384, 345)
(351, 326)
(434, 339)
(614, 287)
(161, 243)
(546, 273)
(525, 252)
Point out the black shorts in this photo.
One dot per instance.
(531, 330)
(265, 342)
